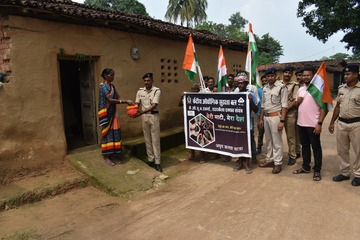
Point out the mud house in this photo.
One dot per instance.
(51, 55)
(334, 70)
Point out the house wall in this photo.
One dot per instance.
(32, 129)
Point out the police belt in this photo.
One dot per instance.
(349, 120)
(273, 114)
(153, 112)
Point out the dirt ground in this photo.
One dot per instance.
(208, 201)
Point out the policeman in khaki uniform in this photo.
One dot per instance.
(148, 99)
(347, 111)
(272, 118)
(291, 115)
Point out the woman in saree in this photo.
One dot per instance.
(111, 143)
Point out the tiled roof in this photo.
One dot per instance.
(331, 65)
(76, 13)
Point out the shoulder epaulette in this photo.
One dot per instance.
(279, 84)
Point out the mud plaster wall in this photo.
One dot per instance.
(32, 129)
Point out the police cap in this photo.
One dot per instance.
(270, 71)
(148, 75)
(288, 69)
(352, 68)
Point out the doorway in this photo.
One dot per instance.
(77, 89)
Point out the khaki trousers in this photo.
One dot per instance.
(274, 144)
(151, 130)
(290, 128)
(347, 133)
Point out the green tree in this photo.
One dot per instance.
(191, 12)
(340, 56)
(200, 11)
(218, 29)
(129, 6)
(237, 21)
(337, 56)
(356, 54)
(343, 56)
(274, 47)
(236, 29)
(324, 58)
(323, 18)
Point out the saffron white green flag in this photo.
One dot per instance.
(221, 72)
(190, 60)
(252, 59)
(319, 88)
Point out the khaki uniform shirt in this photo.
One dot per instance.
(274, 98)
(292, 89)
(147, 98)
(349, 100)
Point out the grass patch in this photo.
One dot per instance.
(24, 235)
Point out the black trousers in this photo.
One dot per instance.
(307, 139)
(260, 137)
(253, 144)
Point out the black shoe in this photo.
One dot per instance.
(317, 176)
(340, 178)
(298, 155)
(277, 169)
(291, 161)
(158, 168)
(356, 182)
(150, 164)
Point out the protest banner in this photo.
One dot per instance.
(218, 123)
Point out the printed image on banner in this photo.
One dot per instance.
(218, 123)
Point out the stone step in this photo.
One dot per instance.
(43, 186)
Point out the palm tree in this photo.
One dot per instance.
(200, 12)
(190, 11)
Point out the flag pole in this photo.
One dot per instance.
(249, 57)
(252, 59)
(250, 74)
(202, 83)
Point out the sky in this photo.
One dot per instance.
(276, 17)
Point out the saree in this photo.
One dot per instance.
(111, 142)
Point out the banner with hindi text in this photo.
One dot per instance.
(218, 123)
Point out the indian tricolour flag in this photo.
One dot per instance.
(319, 88)
(221, 72)
(252, 59)
(190, 60)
